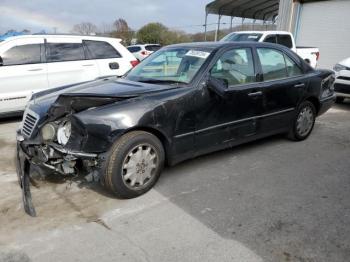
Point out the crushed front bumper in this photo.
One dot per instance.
(23, 168)
(24, 160)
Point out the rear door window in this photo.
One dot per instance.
(60, 52)
(272, 63)
(271, 39)
(292, 68)
(152, 48)
(285, 40)
(22, 55)
(134, 49)
(101, 50)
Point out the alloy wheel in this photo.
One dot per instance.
(139, 166)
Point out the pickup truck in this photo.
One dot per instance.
(309, 54)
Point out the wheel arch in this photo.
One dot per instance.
(157, 133)
(315, 102)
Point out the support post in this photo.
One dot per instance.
(217, 28)
(205, 26)
(231, 28)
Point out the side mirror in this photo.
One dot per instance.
(218, 86)
(1, 61)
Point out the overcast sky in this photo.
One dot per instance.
(37, 15)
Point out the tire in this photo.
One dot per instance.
(339, 100)
(134, 164)
(301, 129)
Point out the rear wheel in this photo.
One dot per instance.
(339, 100)
(134, 164)
(304, 121)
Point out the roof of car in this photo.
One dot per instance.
(92, 37)
(139, 45)
(262, 32)
(215, 45)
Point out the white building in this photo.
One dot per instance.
(321, 23)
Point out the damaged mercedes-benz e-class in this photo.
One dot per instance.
(182, 101)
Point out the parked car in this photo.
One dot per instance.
(142, 51)
(342, 80)
(309, 54)
(184, 101)
(32, 63)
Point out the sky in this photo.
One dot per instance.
(61, 15)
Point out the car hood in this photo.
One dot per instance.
(75, 98)
(345, 62)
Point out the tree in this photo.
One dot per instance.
(153, 33)
(123, 31)
(85, 28)
(157, 33)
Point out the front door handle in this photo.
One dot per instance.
(255, 94)
(300, 85)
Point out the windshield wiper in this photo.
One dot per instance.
(161, 81)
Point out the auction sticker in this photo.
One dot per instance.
(196, 53)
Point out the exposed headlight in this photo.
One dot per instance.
(339, 67)
(64, 132)
(48, 132)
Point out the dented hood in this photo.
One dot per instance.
(79, 97)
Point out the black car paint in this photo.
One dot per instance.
(190, 120)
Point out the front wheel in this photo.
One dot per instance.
(303, 122)
(134, 164)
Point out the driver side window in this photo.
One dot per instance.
(235, 67)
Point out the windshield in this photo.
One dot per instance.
(178, 65)
(239, 37)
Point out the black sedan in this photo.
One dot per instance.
(181, 102)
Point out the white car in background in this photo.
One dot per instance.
(142, 51)
(32, 63)
(309, 54)
(342, 80)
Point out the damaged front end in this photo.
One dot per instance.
(54, 141)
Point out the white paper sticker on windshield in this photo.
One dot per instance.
(196, 53)
(253, 37)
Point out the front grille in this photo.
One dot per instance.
(29, 122)
(341, 88)
(343, 78)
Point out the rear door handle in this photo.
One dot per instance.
(255, 94)
(299, 85)
(88, 65)
(35, 69)
(114, 65)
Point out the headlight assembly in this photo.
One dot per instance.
(48, 132)
(64, 132)
(339, 67)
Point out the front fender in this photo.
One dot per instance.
(105, 124)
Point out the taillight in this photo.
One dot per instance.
(317, 55)
(134, 63)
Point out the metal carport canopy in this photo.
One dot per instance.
(255, 9)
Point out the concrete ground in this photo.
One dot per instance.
(271, 200)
